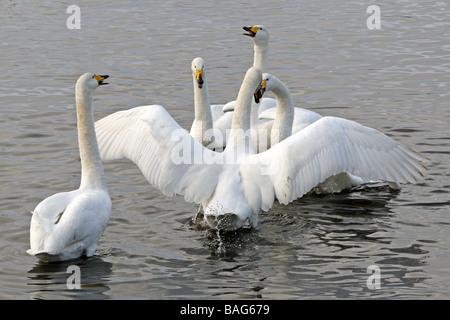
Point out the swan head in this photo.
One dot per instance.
(91, 81)
(198, 71)
(258, 33)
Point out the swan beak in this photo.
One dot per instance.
(260, 91)
(100, 79)
(199, 76)
(251, 31)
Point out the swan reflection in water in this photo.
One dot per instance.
(54, 280)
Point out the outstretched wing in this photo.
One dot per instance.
(167, 155)
(331, 146)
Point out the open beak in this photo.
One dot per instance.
(260, 91)
(251, 31)
(199, 76)
(100, 79)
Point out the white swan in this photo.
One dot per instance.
(236, 184)
(68, 225)
(210, 123)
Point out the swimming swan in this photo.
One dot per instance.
(211, 124)
(68, 225)
(235, 185)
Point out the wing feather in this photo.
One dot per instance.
(331, 146)
(167, 155)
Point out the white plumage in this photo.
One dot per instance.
(68, 225)
(237, 184)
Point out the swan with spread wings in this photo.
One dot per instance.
(235, 185)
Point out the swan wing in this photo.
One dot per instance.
(45, 216)
(331, 146)
(167, 155)
(48, 211)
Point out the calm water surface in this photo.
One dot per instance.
(396, 79)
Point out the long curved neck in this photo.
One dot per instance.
(92, 174)
(284, 117)
(202, 113)
(240, 124)
(260, 56)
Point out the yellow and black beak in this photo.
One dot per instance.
(100, 79)
(251, 31)
(199, 76)
(260, 91)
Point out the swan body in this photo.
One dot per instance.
(235, 185)
(68, 225)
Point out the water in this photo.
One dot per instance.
(395, 79)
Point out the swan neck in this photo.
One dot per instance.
(240, 124)
(254, 114)
(202, 113)
(241, 116)
(92, 174)
(284, 117)
(260, 56)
